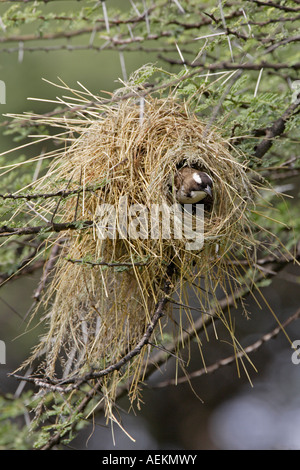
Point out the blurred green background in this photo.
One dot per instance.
(23, 72)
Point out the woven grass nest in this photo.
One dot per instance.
(104, 290)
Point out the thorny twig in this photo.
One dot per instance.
(276, 129)
(274, 264)
(231, 359)
(114, 367)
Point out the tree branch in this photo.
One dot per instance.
(160, 358)
(275, 5)
(6, 231)
(231, 359)
(60, 192)
(57, 385)
(276, 129)
(231, 65)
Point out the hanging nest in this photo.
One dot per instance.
(106, 286)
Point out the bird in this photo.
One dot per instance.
(192, 186)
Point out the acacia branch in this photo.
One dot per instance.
(275, 5)
(276, 129)
(6, 231)
(56, 438)
(59, 193)
(225, 65)
(231, 359)
(28, 268)
(49, 36)
(157, 360)
(272, 265)
(57, 386)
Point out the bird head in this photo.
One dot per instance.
(192, 185)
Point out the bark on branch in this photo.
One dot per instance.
(276, 129)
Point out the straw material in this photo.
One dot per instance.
(104, 291)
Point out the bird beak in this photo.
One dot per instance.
(207, 190)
